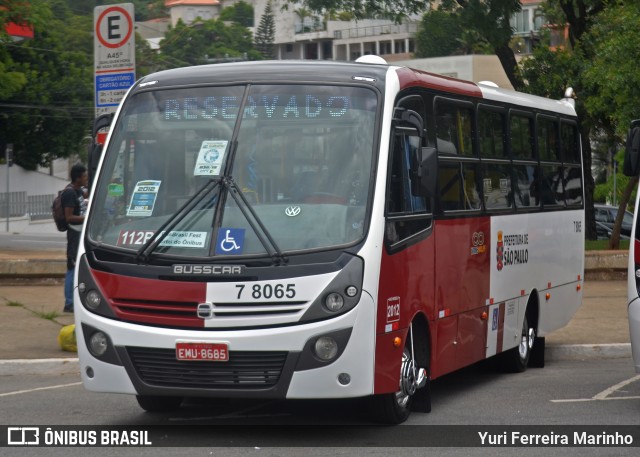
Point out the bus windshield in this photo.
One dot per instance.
(300, 156)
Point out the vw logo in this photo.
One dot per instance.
(292, 211)
(205, 310)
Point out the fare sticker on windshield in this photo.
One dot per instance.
(144, 198)
(210, 158)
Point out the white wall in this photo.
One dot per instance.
(31, 182)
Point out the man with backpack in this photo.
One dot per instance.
(74, 205)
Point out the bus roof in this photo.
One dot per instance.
(411, 77)
(274, 70)
(342, 72)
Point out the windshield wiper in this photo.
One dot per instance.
(252, 218)
(142, 256)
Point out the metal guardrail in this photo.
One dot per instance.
(375, 30)
(37, 207)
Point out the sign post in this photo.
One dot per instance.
(114, 55)
(9, 160)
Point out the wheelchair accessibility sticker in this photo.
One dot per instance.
(230, 241)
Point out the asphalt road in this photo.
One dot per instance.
(580, 393)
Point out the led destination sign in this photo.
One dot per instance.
(298, 106)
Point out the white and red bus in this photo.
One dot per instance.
(320, 230)
(632, 169)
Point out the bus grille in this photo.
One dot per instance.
(159, 367)
(185, 314)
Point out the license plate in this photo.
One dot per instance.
(202, 352)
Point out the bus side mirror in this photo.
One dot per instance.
(428, 171)
(95, 150)
(631, 165)
(409, 119)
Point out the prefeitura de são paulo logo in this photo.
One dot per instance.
(500, 251)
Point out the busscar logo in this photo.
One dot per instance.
(212, 270)
(23, 436)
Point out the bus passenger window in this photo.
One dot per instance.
(521, 130)
(525, 186)
(454, 129)
(458, 186)
(551, 186)
(491, 134)
(496, 184)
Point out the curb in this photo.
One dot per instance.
(552, 353)
(588, 351)
(39, 366)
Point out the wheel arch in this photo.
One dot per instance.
(422, 340)
(532, 310)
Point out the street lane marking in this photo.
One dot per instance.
(604, 395)
(60, 386)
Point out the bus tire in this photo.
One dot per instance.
(537, 353)
(158, 404)
(516, 360)
(395, 407)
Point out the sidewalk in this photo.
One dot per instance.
(31, 318)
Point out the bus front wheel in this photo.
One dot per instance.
(395, 408)
(516, 360)
(158, 404)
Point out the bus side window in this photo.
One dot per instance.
(496, 167)
(458, 163)
(403, 203)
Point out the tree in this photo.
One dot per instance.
(551, 71)
(50, 114)
(362, 9)
(265, 34)
(204, 41)
(438, 34)
(240, 13)
(612, 79)
(489, 18)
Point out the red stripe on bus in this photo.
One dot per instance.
(153, 301)
(411, 78)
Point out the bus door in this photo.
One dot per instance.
(462, 240)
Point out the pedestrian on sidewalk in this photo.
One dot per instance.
(73, 202)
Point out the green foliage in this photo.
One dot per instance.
(265, 34)
(438, 34)
(48, 112)
(363, 9)
(612, 78)
(240, 13)
(471, 27)
(205, 41)
(603, 245)
(549, 72)
(604, 192)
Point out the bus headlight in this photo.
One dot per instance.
(98, 344)
(325, 348)
(334, 302)
(93, 299)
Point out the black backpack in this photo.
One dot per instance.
(58, 212)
